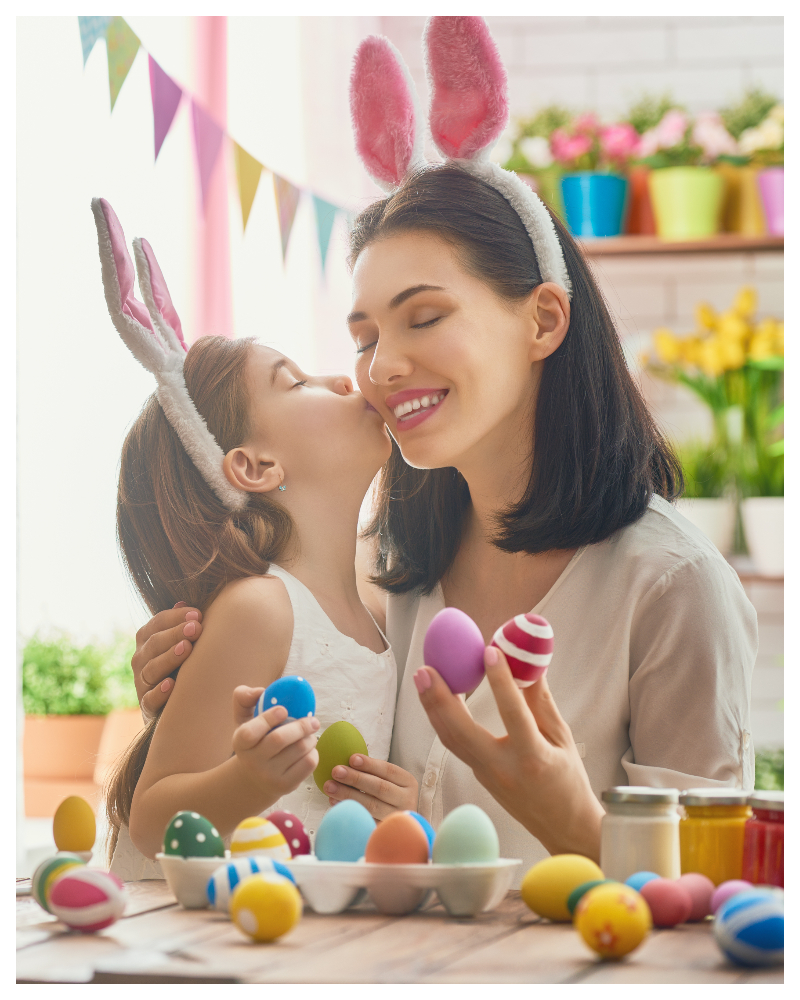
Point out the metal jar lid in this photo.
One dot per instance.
(714, 797)
(767, 800)
(641, 795)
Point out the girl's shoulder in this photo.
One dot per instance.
(256, 604)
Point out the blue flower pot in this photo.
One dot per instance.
(594, 203)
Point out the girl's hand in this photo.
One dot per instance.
(379, 786)
(162, 645)
(275, 759)
(535, 772)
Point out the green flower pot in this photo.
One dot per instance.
(686, 202)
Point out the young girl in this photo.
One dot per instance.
(239, 489)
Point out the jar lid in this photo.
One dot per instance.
(640, 794)
(714, 797)
(767, 800)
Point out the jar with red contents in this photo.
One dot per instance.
(762, 862)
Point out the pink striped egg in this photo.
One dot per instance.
(87, 899)
(527, 641)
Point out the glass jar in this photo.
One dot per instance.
(640, 832)
(762, 862)
(712, 832)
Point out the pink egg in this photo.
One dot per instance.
(527, 641)
(669, 902)
(454, 647)
(87, 899)
(700, 889)
(725, 890)
(293, 830)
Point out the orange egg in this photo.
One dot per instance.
(398, 840)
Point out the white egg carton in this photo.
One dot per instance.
(187, 878)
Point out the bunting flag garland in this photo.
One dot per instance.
(287, 197)
(122, 46)
(91, 29)
(207, 143)
(166, 96)
(248, 176)
(325, 214)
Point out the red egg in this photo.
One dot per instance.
(700, 889)
(527, 641)
(398, 840)
(293, 830)
(669, 902)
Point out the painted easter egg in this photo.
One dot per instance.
(749, 928)
(228, 876)
(47, 872)
(397, 840)
(577, 894)
(191, 835)
(336, 746)
(344, 832)
(669, 902)
(87, 899)
(430, 833)
(547, 886)
(294, 693)
(74, 826)
(638, 879)
(265, 906)
(454, 647)
(466, 836)
(527, 641)
(725, 890)
(293, 831)
(257, 835)
(612, 919)
(700, 889)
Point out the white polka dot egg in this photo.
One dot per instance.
(191, 835)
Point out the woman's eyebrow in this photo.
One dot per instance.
(398, 300)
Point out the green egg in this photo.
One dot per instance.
(466, 835)
(575, 896)
(190, 835)
(336, 746)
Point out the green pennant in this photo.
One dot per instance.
(122, 45)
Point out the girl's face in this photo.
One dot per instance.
(451, 367)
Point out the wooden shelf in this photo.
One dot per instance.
(722, 243)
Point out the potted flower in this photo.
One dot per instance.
(644, 115)
(757, 130)
(709, 499)
(531, 158)
(764, 145)
(593, 187)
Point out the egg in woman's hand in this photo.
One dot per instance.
(454, 648)
(344, 832)
(74, 827)
(527, 641)
(466, 836)
(336, 746)
(398, 840)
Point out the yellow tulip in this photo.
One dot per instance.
(778, 339)
(732, 326)
(667, 346)
(731, 354)
(709, 358)
(705, 317)
(746, 301)
(691, 350)
(761, 347)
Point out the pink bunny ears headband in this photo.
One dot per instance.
(154, 337)
(468, 112)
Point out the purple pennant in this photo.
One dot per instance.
(207, 143)
(166, 96)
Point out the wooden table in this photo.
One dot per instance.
(159, 942)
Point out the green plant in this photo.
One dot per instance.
(648, 111)
(769, 770)
(749, 112)
(706, 469)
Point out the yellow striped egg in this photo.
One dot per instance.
(257, 835)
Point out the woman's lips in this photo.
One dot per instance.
(415, 418)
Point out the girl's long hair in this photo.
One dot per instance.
(178, 541)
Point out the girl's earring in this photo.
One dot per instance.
(281, 487)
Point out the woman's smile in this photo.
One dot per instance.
(412, 406)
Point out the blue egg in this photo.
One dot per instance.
(429, 831)
(295, 694)
(639, 879)
(228, 876)
(344, 832)
(749, 927)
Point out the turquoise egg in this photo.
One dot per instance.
(466, 836)
(344, 832)
(294, 693)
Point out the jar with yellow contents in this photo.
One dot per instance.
(712, 832)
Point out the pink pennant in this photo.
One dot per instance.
(207, 142)
(166, 96)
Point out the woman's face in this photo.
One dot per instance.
(446, 362)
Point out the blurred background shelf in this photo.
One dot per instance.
(614, 246)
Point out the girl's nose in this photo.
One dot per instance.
(342, 384)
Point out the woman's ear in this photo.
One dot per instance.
(252, 472)
(549, 308)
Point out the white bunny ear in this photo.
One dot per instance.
(156, 296)
(385, 113)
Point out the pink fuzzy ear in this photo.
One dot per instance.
(382, 109)
(129, 304)
(469, 102)
(161, 295)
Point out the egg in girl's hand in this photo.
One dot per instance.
(397, 840)
(547, 886)
(466, 836)
(294, 693)
(336, 746)
(344, 832)
(293, 831)
(454, 647)
(527, 641)
(190, 835)
(257, 835)
(74, 826)
(612, 919)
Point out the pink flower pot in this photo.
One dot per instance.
(770, 182)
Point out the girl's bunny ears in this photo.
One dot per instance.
(468, 112)
(154, 337)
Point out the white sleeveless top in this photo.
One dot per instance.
(350, 682)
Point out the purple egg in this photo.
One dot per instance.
(725, 890)
(454, 646)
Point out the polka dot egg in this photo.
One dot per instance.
(612, 919)
(265, 906)
(87, 899)
(227, 877)
(190, 835)
(46, 874)
(293, 831)
(257, 835)
(294, 693)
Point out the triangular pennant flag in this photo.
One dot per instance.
(122, 46)
(248, 176)
(287, 197)
(91, 29)
(207, 143)
(325, 213)
(166, 96)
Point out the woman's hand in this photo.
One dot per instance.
(162, 645)
(535, 771)
(379, 786)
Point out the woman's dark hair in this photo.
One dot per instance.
(598, 457)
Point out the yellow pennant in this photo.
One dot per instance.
(248, 176)
(122, 46)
